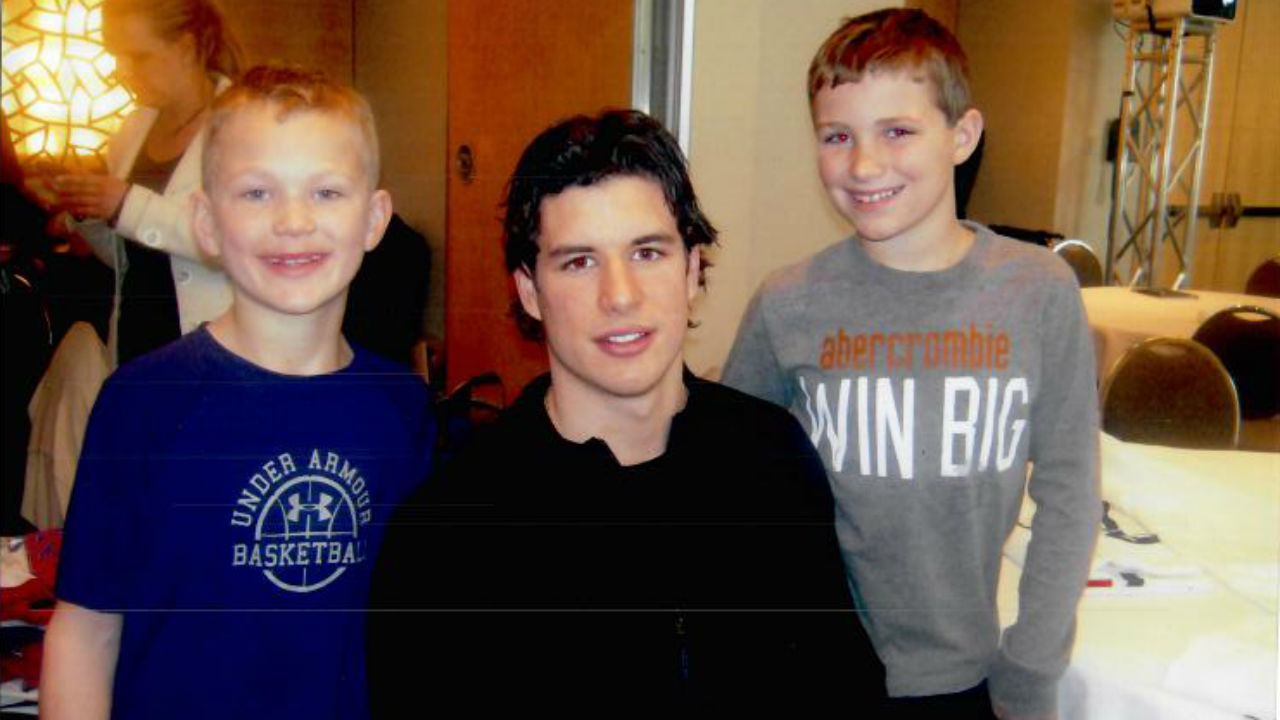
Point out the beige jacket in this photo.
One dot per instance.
(162, 222)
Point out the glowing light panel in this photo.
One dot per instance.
(58, 94)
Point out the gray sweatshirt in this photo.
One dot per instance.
(929, 396)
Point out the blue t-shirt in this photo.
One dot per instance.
(233, 516)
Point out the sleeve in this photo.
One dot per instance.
(98, 234)
(836, 657)
(105, 561)
(428, 558)
(161, 222)
(400, 583)
(753, 366)
(1064, 484)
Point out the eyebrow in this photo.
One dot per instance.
(895, 120)
(651, 239)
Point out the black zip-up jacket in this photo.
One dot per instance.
(544, 574)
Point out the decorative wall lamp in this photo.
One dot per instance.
(59, 96)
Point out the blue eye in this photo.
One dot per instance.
(328, 194)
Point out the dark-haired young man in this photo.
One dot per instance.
(626, 534)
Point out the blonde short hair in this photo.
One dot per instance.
(290, 91)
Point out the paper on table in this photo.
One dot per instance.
(1222, 670)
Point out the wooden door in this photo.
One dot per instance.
(1243, 154)
(515, 67)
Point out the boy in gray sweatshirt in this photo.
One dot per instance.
(940, 369)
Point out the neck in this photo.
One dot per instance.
(925, 250)
(302, 346)
(182, 111)
(635, 428)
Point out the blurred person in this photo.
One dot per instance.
(175, 56)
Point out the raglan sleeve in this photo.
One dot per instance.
(1064, 484)
(753, 365)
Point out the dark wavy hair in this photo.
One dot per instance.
(583, 151)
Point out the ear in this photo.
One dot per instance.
(692, 273)
(190, 47)
(527, 290)
(379, 218)
(202, 224)
(967, 132)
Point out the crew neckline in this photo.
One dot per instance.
(243, 364)
(925, 278)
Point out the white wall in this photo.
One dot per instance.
(1046, 77)
(752, 153)
(1095, 69)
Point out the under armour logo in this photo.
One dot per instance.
(321, 508)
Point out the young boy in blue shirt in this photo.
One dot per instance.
(234, 485)
(933, 363)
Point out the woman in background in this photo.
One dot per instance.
(175, 56)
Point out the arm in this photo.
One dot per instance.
(753, 366)
(837, 659)
(158, 221)
(1065, 487)
(80, 651)
(162, 222)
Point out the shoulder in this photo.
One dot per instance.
(758, 446)
(189, 357)
(1023, 261)
(396, 382)
(831, 264)
(746, 424)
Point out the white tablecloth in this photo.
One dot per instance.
(1198, 639)
(1121, 318)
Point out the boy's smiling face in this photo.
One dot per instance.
(290, 210)
(886, 157)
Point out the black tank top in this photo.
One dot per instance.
(148, 302)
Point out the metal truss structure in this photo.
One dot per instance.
(1163, 118)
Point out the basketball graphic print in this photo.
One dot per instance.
(305, 522)
(311, 511)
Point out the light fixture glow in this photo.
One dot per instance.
(58, 94)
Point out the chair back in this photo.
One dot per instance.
(1171, 391)
(1246, 339)
(1265, 279)
(1083, 261)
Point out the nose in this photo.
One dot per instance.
(619, 289)
(293, 217)
(866, 161)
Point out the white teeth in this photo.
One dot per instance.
(629, 337)
(875, 197)
(293, 261)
